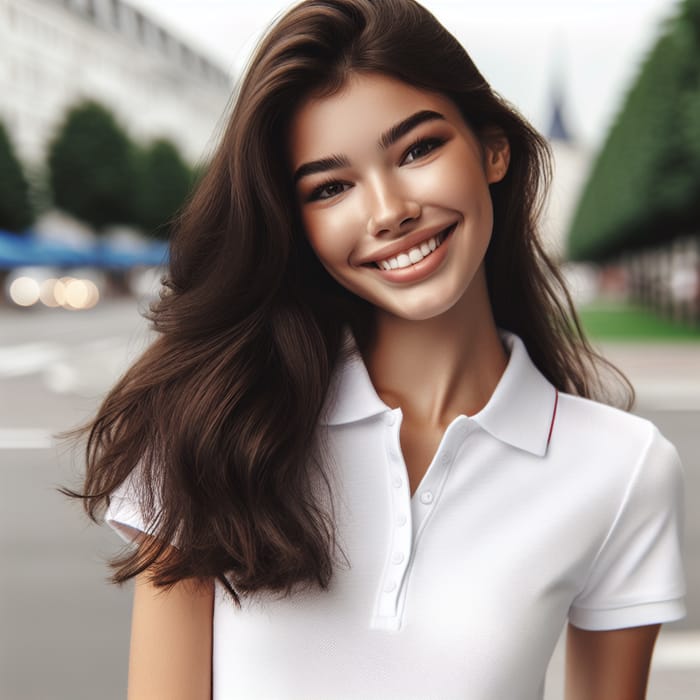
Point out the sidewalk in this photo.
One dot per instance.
(666, 376)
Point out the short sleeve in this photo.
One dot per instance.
(637, 576)
(125, 514)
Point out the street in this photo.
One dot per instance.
(65, 631)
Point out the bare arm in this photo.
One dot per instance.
(610, 664)
(171, 642)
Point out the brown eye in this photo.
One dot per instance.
(421, 148)
(328, 190)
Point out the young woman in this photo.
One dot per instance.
(363, 458)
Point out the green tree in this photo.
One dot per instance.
(164, 182)
(92, 167)
(16, 212)
(644, 186)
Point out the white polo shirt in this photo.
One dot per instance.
(541, 507)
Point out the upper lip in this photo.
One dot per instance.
(405, 243)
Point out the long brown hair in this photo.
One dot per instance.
(220, 414)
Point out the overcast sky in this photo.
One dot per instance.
(519, 46)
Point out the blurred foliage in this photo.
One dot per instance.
(100, 176)
(644, 187)
(40, 195)
(164, 182)
(16, 210)
(92, 167)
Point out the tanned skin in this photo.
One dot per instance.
(610, 664)
(171, 642)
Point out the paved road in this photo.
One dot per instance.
(64, 631)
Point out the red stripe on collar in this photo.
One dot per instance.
(554, 414)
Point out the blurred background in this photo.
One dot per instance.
(109, 111)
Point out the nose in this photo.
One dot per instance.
(389, 208)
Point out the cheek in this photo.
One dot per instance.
(460, 184)
(329, 234)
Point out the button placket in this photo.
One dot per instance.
(397, 557)
(401, 536)
(423, 506)
(424, 502)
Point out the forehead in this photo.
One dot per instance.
(352, 119)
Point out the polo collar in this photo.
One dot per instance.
(520, 412)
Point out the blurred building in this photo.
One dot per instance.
(54, 53)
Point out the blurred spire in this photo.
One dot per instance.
(558, 129)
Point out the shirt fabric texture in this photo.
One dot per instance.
(540, 508)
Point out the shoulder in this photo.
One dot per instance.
(587, 412)
(609, 444)
(582, 422)
(628, 500)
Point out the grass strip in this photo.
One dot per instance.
(615, 321)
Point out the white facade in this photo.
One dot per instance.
(54, 53)
(572, 162)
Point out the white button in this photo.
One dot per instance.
(426, 497)
(389, 418)
(401, 519)
(446, 457)
(391, 586)
(397, 482)
(397, 557)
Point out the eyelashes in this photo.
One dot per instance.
(426, 143)
(332, 187)
(317, 192)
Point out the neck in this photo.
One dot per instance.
(438, 368)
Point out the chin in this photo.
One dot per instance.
(423, 311)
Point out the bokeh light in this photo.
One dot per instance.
(59, 292)
(47, 292)
(24, 291)
(79, 293)
(93, 294)
(74, 293)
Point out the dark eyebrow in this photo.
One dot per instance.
(387, 139)
(390, 137)
(320, 166)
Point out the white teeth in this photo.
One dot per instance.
(412, 256)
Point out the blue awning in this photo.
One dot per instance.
(31, 250)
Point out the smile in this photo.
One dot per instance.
(416, 254)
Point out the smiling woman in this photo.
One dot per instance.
(364, 351)
(367, 212)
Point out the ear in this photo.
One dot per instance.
(496, 154)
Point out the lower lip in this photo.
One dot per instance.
(421, 269)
